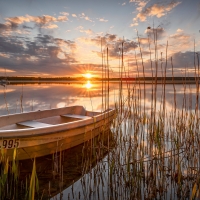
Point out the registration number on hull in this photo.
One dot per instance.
(9, 143)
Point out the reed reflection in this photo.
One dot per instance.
(62, 169)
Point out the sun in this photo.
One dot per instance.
(88, 75)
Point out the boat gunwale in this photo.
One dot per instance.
(40, 131)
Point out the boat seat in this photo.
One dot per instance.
(76, 116)
(34, 124)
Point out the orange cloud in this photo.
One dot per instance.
(50, 26)
(157, 10)
(6, 70)
(88, 31)
(74, 15)
(45, 21)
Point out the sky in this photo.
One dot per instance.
(66, 38)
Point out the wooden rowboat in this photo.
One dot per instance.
(40, 133)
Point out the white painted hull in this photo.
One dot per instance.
(39, 141)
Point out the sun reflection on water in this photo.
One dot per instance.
(88, 85)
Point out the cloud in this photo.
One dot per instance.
(158, 10)
(105, 40)
(88, 31)
(7, 27)
(87, 19)
(102, 20)
(144, 41)
(4, 28)
(27, 27)
(134, 24)
(81, 29)
(141, 5)
(183, 61)
(11, 45)
(69, 43)
(43, 54)
(64, 13)
(5, 70)
(83, 16)
(181, 41)
(179, 30)
(180, 36)
(74, 15)
(114, 44)
(4, 55)
(45, 21)
(136, 1)
(62, 19)
(51, 26)
(18, 20)
(155, 33)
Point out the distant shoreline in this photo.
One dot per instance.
(24, 78)
(68, 80)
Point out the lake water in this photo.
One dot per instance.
(27, 97)
(137, 104)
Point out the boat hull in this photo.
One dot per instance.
(46, 141)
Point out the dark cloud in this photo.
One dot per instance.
(43, 55)
(69, 43)
(114, 45)
(116, 49)
(155, 33)
(3, 27)
(44, 39)
(27, 27)
(183, 62)
(105, 40)
(8, 27)
(11, 45)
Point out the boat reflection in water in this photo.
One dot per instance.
(58, 171)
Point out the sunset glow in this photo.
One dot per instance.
(88, 75)
(68, 38)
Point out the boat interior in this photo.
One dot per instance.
(47, 121)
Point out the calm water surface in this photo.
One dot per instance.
(27, 97)
(30, 97)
